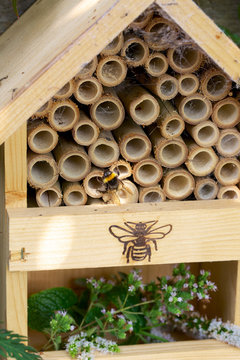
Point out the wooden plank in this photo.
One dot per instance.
(3, 250)
(65, 238)
(206, 34)
(49, 44)
(237, 297)
(181, 350)
(16, 194)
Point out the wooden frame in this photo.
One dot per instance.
(24, 91)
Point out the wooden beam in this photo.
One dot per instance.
(65, 238)
(180, 350)
(206, 34)
(48, 45)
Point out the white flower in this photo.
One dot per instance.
(195, 285)
(63, 313)
(170, 299)
(202, 272)
(112, 311)
(185, 286)
(191, 307)
(103, 311)
(102, 279)
(72, 327)
(164, 287)
(131, 288)
(179, 299)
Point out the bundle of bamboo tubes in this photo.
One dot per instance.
(152, 108)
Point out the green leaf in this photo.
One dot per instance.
(14, 5)
(11, 345)
(99, 322)
(42, 305)
(154, 337)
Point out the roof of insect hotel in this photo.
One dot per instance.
(52, 41)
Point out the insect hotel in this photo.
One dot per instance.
(111, 113)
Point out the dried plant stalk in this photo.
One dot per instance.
(139, 103)
(88, 69)
(93, 184)
(126, 194)
(205, 133)
(169, 122)
(228, 143)
(151, 194)
(42, 170)
(215, 85)
(205, 189)
(164, 86)
(63, 115)
(184, 58)
(73, 161)
(147, 172)
(160, 33)
(73, 194)
(178, 184)
(135, 51)
(88, 90)
(50, 196)
(194, 108)
(41, 137)
(111, 70)
(108, 112)
(133, 142)
(226, 113)
(43, 110)
(156, 64)
(188, 84)
(229, 192)
(123, 168)
(141, 21)
(227, 171)
(66, 91)
(85, 132)
(114, 47)
(105, 151)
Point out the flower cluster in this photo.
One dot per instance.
(82, 346)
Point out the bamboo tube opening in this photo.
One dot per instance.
(136, 148)
(145, 110)
(43, 110)
(206, 189)
(174, 127)
(105, 151)
(50, 196)
(159, 33)
(226, 113)
(147, 172)
(178, 184)
(135, 51)
(114, 46)
(142, 20)
(74, 194)
(172, 154)
(168, 88)
(88, 69)
(63, 115)
(156, 64)
(215, 84)
(127, 194)
(43, 140)
(88, 91)
(227, 171)
(108, 114)
(151, 194)
(85, 132)
(111, 71)
(188, 84)
(75, 198)
(195, 108)
(42, 172)
(184, 59)
(229, 192)
(41, 137)
(229, 142)
(123, 168)
(93, 184)
(205, 134)
(66, 91)
(74, 167)
(203, 162)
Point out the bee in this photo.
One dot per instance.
(112, 184)
(137, 238)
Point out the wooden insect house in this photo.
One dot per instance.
(111, 113)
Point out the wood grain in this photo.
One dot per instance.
(65, 238)
(181, 350)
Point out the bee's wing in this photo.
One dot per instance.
(159, 232)
(123, 235)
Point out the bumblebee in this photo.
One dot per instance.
(112, 184)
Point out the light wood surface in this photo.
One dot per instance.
(181, 350)
(64, 238)
(16, 196)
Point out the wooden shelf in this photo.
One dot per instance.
(79, 237)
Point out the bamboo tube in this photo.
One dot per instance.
(93, 184)
(178, 184)
(200, 161)
(226, 113)
(194, 108)
(142, 20)
(111, 70)
(41, 137)
(126, 194)
(88, 69)
(134, 51)
(43, 110)
(205, 189)
(205, 133)
(88, 90)
(50, 196)
(66, 91)
(160, 33)
(215, 85)
(63, 115)
(227, 171)
(228, 144)
(156, 64)
(85, 132)
(151, 194)
(170, 153)
(42, 170)
(73, 162)
(184, 58)
(105, 151)
(108, 112)
(169, 122)
(229, 192)
(133, 142)
(147, 172)
(94, 201)
(114, 46)
(164, 86)
(122, 168)
(141, 106)
(73, 194)
(188, 84)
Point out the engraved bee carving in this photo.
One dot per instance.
(137, 238)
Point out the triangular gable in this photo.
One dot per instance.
(52, 40)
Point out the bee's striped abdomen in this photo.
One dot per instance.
(139, 252)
